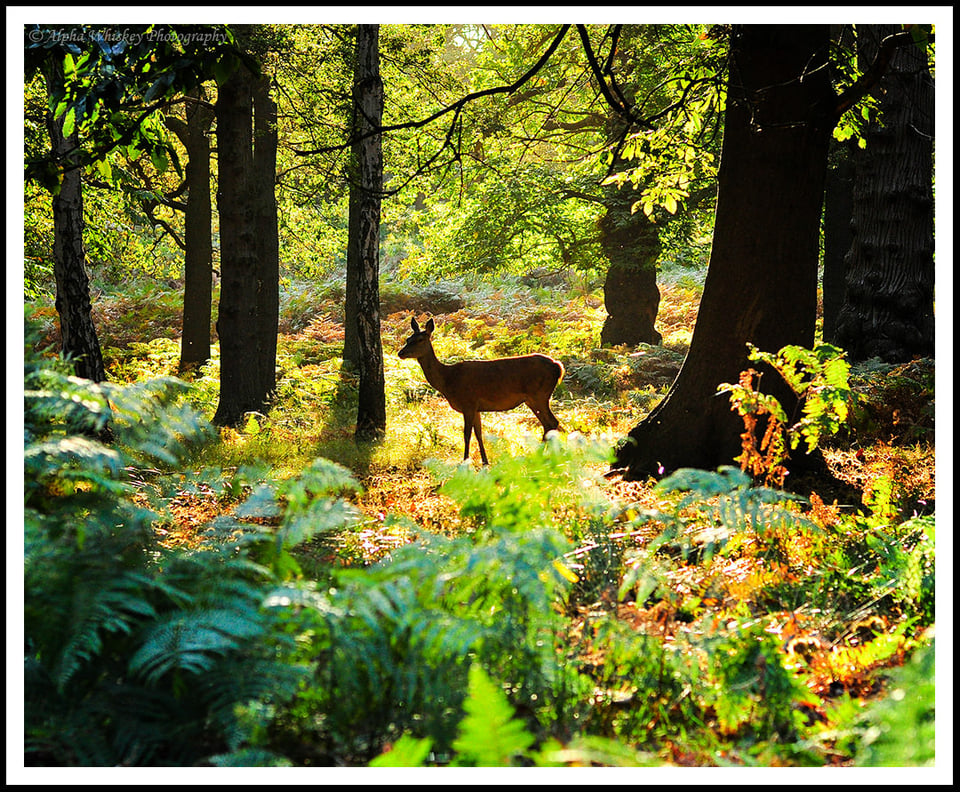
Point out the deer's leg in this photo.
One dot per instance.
(545, 415)
(552, 421)
(478, 431)
(467, 429)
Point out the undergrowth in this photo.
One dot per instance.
(380, 610)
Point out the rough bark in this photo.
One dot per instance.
(888, 312)
(247, 317)
(78, 334)
(198, 240)
(268, 236)
(362, 345)
(761, 284)
(631, 243)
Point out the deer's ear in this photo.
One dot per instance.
(413, 325)
(429, 325)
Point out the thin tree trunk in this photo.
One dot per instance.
(363, 250)
(837, 236)
(761, 284)
(78, 335)
(198, 240)
(268, 239)
(247, 324)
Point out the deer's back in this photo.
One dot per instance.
(502, 384)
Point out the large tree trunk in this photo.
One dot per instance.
(198, 241)
(78, 335)
(888, 311)
(247, 323)
(362, 344)
(761, 284)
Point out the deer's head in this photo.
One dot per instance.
(419, 341)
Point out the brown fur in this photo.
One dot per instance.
(475, 386)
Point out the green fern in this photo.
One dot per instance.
(489, 735)
(730, 502)
(901, 728)
(112, 605)
(135, 655)
(818, 377)
(394, 641)
(191, 641)
(408, 751)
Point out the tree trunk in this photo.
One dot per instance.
(198, 255)
(888, 311)
(78, 335)
(264, 202)
(837, 236)
(630, 294)
(362, 344)
(761, 284)
(247, 323)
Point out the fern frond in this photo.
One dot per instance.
(489, 734)
(109, 606)
(250, 757)
(191, 641)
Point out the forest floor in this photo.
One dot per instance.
(605, 393)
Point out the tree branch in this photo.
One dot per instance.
(619, 106)
(872, 75)
(456, 108)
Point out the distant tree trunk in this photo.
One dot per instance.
(761, 284)
(837, 236)
(248, 313)
(362, 344)
(888, 311)
(198, 253)
(78, 335)
(268, 235)
(631, 243)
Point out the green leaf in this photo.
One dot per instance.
(408, 751)
(224, 67)
(489, 736)
(158, 157)
(69, 122)
(105, 169)
(159, 86)
(920, 34)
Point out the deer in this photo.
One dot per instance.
(472, 387)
